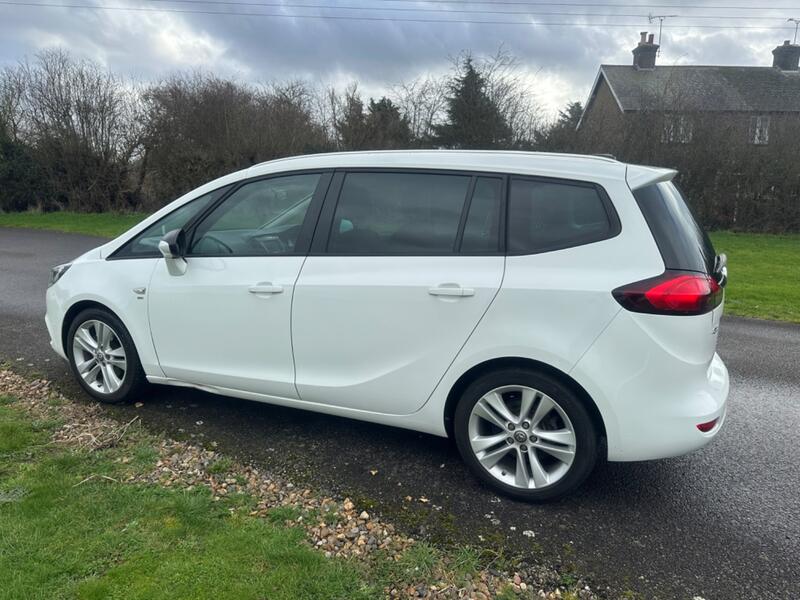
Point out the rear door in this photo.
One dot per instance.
(403, 267)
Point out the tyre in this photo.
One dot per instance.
(526, 434)
(102, 357)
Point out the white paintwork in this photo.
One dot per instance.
(364, 337)
(368, 333)
(210, 326)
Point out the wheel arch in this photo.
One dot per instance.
(74, 310)
(512, 362)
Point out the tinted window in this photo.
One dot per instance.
(683, 244)
(482, 229)
(260, 218)
(398, 213)
(546, 215)
(146, 243)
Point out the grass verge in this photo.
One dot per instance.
(70, 529)
(764, 274)
(108, 225)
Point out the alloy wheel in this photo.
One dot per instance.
(99, 356)
(522, 437)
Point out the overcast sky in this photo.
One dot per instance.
(396, 45)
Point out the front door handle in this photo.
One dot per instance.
(265, 288)
(451, 290)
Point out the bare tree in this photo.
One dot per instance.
(422, 102)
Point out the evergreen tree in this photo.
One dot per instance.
(387, 128)
(352, 126)
(474, 120)
(562, 136)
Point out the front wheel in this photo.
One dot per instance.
(103, 358)
(526, 434)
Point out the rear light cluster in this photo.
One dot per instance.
(671, 293)
(706, 427)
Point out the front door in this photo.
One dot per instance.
(226, 321)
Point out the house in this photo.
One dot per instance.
(737, 105)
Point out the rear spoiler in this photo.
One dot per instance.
(638, 176)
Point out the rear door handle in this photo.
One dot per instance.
(451, 290)
(265, 288)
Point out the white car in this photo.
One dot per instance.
(543, 310)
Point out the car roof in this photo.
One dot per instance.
(571, 166)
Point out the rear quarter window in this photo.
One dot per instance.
(683, 244)
(552, 215)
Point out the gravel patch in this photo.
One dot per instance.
(334, 526)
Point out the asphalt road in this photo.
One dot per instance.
(722, 523)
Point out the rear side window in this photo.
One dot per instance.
(482, 227)
(552, 215)
(398, 213)
(683, 243)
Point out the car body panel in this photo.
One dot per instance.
(111, 284)
(209, 327)
(368, 333)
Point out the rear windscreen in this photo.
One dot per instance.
(682, 242)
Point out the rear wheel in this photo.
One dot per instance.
(103, 358)
(526, 434)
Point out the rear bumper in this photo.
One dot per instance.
(651, 397)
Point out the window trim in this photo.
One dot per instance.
(605, 199)
(319, 245)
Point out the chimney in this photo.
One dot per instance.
(644, 55)
(786, 57)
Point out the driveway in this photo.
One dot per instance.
(723, 523)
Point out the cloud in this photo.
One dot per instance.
(559, 62)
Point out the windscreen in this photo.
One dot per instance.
(682, 242)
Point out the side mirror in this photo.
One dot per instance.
(173, 248)
(173, 244)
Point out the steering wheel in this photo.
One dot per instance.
(272, 243)
(225, 247)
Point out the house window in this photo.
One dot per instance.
(678, 129)
(759, 130)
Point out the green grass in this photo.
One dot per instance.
(764, 274)
(100, 224)
(764, 269)
(60, 538)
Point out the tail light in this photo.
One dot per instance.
(706, 427)
(671, 293)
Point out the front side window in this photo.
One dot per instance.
(545, 215)
(260, 218)
(383, 214)
(145, 245)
